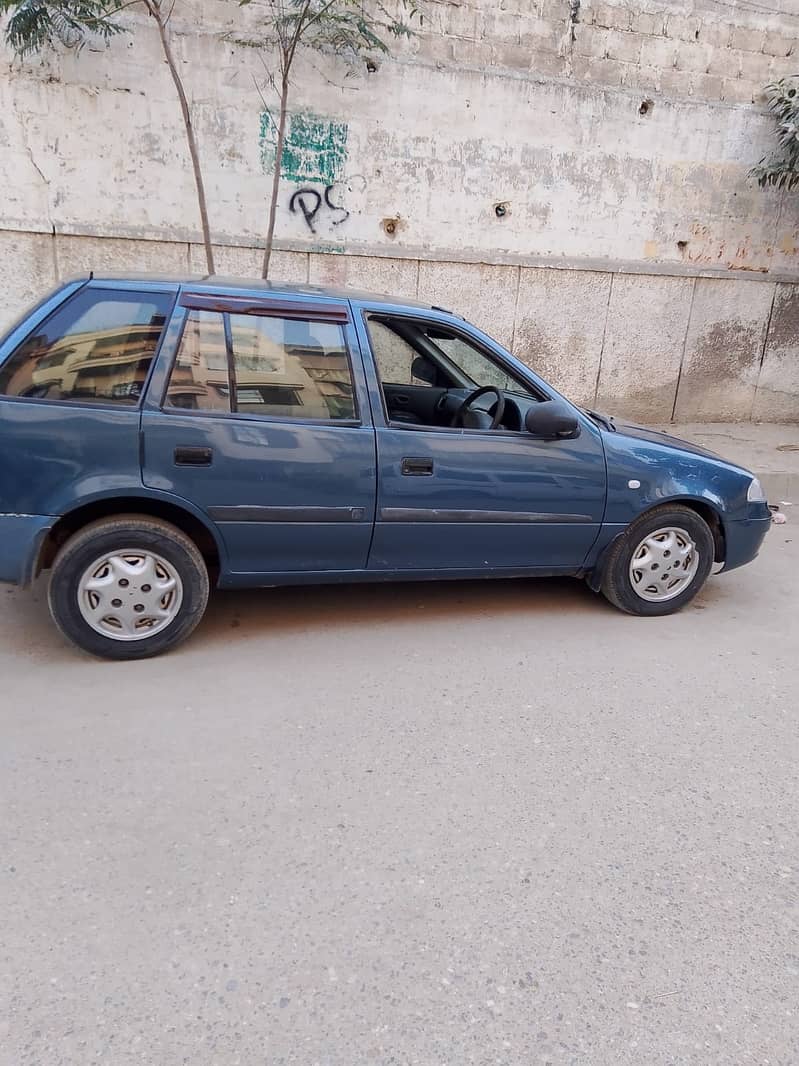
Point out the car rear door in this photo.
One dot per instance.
(257, 415)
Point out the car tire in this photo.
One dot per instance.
(660, 562)
(128, 587)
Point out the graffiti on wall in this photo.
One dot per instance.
(308, 201)
(314, 157)
(315, 152)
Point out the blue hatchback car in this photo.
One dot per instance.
(162, 436)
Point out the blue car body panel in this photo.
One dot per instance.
(57, 456)
(493, 500)
(297, 501)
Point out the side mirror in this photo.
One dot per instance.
(551, 418)
(423, 370)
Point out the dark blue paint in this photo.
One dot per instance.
(260, 463)
(59, 457)
(488, 471)
(743, 538)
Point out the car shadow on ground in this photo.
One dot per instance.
(260, 613)
(301, 608)
(297, 607)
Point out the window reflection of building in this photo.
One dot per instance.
(111, 364)
(282, 368)
(102, 364)
(199, 379)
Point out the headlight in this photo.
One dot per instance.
(755, 493)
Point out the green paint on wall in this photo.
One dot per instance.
(315, 151)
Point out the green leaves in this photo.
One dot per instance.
(38, 24)
(783, 101)
(350, 29)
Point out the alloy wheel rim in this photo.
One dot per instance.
(663, 565)
(130, 594)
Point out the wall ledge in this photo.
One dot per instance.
(420, 252)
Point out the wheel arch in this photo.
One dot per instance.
(713, 517)
(196, 528)
(706, 510)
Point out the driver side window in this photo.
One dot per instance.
(428, 369)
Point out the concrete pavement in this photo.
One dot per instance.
(423, 824)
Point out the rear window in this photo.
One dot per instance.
(96, 348)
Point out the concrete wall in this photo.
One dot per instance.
(633, 261)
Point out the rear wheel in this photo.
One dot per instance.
(128, 587)
(660, 563)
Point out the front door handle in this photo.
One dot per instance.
(416, 467)
(193, 456)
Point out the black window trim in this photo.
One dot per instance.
(233, 397)
(247, 415)
(83, 403)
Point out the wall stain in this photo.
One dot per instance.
(784, 329)
(725, 350)
(745, 255)
(653, 404)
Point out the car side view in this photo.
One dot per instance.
(163, 436)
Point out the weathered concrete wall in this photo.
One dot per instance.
(618, 148)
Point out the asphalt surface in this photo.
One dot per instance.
(424, 824)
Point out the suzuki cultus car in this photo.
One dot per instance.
(164, 436)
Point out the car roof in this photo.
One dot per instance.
(221, 283)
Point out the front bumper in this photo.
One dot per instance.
(21, 536)
(745, 537)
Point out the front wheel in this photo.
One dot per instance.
(128, 587)
(660, 563)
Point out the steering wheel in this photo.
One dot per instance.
(466, 418)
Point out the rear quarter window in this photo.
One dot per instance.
(96, 348)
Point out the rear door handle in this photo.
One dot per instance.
(193, 456)
(416, 467)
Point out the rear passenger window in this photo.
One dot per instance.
(265, 365)
(199, 380)
(96, 348)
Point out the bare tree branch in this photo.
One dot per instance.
(350, 29)
(189, 128)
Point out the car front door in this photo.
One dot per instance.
(470, 499)
(257, 416)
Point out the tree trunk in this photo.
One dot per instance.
(195, 155)
(281, 140)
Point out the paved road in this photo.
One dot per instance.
(431, 824)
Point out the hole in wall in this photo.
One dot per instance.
(682, 247)
(646, 107)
